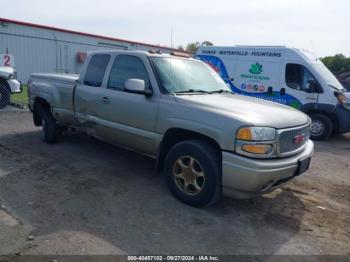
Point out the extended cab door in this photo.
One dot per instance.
(127, 119)
(301, 87)
(88, 92)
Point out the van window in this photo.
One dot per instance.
(96, 70)
(124, 68)
(298, 77)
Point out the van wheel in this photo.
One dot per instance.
(321, 127)
(49, 126)
(5, 95)
(192, 171)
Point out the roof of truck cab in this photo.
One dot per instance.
(145, 53)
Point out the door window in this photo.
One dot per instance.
(96, 70)
(299, 77)
(124, 68)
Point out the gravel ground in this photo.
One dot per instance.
(83, 196)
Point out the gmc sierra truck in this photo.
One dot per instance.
(206, 139)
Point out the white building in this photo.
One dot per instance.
(38, 48)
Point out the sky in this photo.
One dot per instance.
(321, 26)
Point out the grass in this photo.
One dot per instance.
(21, 98)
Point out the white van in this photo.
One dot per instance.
(284, 75)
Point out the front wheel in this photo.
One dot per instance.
(5, 95)
(193, 173)
(321, 127)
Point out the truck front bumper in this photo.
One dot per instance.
(15, 86)
(244, 177)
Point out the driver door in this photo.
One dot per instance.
(128, 119)
(299, 84)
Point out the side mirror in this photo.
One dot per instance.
(312, 87)
(137, 86)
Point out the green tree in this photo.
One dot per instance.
(193, 47)
(337, 63)
(207, 43)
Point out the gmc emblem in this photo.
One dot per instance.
(299, 139)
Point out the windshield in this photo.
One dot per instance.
(184, 75)
(328, 76)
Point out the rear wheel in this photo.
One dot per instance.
(193, 173)
(49, 127)
(321, 127)
(5, 94)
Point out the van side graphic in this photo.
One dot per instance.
(255, 69)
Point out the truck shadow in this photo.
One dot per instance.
(339, 142)
(85, 185)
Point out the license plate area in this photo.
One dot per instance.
(303, 165)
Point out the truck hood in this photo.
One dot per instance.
(252, 111)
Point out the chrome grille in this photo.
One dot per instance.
(286, 141)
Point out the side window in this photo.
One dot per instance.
(299, 77)
(124, 68)
(96, 70)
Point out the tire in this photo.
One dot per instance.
(49, 126)
(321, 127)
(5, 95)
(205, 189)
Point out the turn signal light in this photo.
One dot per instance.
(257, 149)
(244, 134)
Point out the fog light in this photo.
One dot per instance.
(257, 149)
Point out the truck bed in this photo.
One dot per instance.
(58, 91)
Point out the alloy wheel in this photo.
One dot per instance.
(188, 175)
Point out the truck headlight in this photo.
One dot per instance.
(256, 133)
(256, 141)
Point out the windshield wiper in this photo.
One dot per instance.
(335, 88)
(192, 91)
(221, 91)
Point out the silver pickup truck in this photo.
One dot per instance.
(206, 139)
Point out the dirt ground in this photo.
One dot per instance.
(83, 196)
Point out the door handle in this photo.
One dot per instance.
(105, 100)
